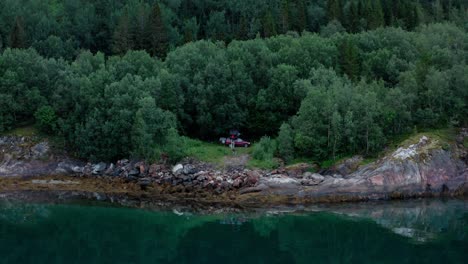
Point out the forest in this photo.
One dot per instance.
(317, 79)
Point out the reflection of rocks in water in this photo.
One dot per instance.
(420, 220)
(418, 235)
(233, 221)
(22, 213)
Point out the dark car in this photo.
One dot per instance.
(237, 142)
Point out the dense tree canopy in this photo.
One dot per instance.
(346, 89)
(116, 26)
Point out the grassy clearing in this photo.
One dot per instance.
(210, 152)
(216, 153)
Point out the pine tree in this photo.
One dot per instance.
(158, 43)
(367, 11)
(349, 59)
(122, 39)
(376, 18)
(353, 18)
(334, 9)
(269, 27)
(413, 18)
(139, 28)
(285, 16)
(242, 31)
(438, 10)
(17, 36)
(301, 19)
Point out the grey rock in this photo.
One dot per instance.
(134, 173)
(189, 169)
(261, 187)
(40, 150)
(99, 168)
(177, 168)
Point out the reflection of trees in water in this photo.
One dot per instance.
(84, 233)
(357, 233)
(20, 213)
(421, 220)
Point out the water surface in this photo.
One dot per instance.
(423, 231)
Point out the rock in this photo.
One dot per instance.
(77, 169)
(99, 168)
(261, 187)
(140, 166)
(280, 179)
(144, 183)
(252, 178)
(311, 179)
(110, 170)
(177, 168)
(154, 169)
(297, 170)
(134, 173)
(40, 150)
(64, 167)
(349, 166)
(189, 169)
(237, 183)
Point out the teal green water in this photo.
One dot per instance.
(417, 232)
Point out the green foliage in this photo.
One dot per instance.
(264, 151)
(286, 142)
(158, 26)
(46, 119)
(346, 94)
(17, 35)
(158, 42)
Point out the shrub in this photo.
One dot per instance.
(265, 149)
(45, 119)
(286, 142)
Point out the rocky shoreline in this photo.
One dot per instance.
(426, 168)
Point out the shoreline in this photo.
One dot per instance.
(118, 192)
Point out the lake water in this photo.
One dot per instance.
(424, 231)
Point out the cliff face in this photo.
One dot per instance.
(426, 168)
(420, 167)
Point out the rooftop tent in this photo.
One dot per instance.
(234, 133)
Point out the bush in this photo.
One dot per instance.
(265, 149)
(45, 119)
(286, 142)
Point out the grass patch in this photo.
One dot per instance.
(301, 160)
(368, 161)
(26, 131)
(465, 142)
(210, 152)
(443, 136)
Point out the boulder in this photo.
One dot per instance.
(134, 173)
(261, 187)
(40, 150)
(110, 170)
(189, 169)
(154, 170)
(99, 168)
(177, 168)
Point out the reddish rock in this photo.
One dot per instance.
(237, 183)
(154, 170)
